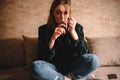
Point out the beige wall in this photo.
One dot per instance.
(100, 18)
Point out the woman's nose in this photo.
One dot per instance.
(62, 17)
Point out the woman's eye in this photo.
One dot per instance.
(65, 13)
(57, 13)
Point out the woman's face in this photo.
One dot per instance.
(61, 13)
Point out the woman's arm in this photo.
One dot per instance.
(80, 44)
(43, 43)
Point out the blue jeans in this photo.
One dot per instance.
(79, 68)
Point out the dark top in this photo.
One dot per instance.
(65, 48)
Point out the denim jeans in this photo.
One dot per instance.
(79, 68)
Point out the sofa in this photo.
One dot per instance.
(108, 51)
(16, 55)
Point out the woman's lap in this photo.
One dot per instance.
(80, 66)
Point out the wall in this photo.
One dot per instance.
(100, 18)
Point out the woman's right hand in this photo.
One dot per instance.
(59, 30)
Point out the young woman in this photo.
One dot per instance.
(63, 53)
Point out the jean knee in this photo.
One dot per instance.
(38, 64)
(93, 60)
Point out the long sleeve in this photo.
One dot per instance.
(43, 38)
(80, 45)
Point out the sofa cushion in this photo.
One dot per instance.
(18, 73)
(108, 50)
(31, 49)
(102, 72)
(11, 53)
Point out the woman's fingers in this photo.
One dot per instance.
(72, 23)
(59, 31)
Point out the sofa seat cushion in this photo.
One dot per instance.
(108, 50)
(11, 53)
(102, 72)
(18, 73)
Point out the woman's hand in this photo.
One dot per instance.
(71, 28)
(71, 24)
(59, 30)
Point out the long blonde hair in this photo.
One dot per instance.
(51, 20)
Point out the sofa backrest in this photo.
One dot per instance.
(11, 53)
(107, 49)
(20, 52)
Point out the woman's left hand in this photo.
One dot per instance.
(71, 24)
(71, 28)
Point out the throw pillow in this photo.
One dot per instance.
(108, 50)
(31, 49)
